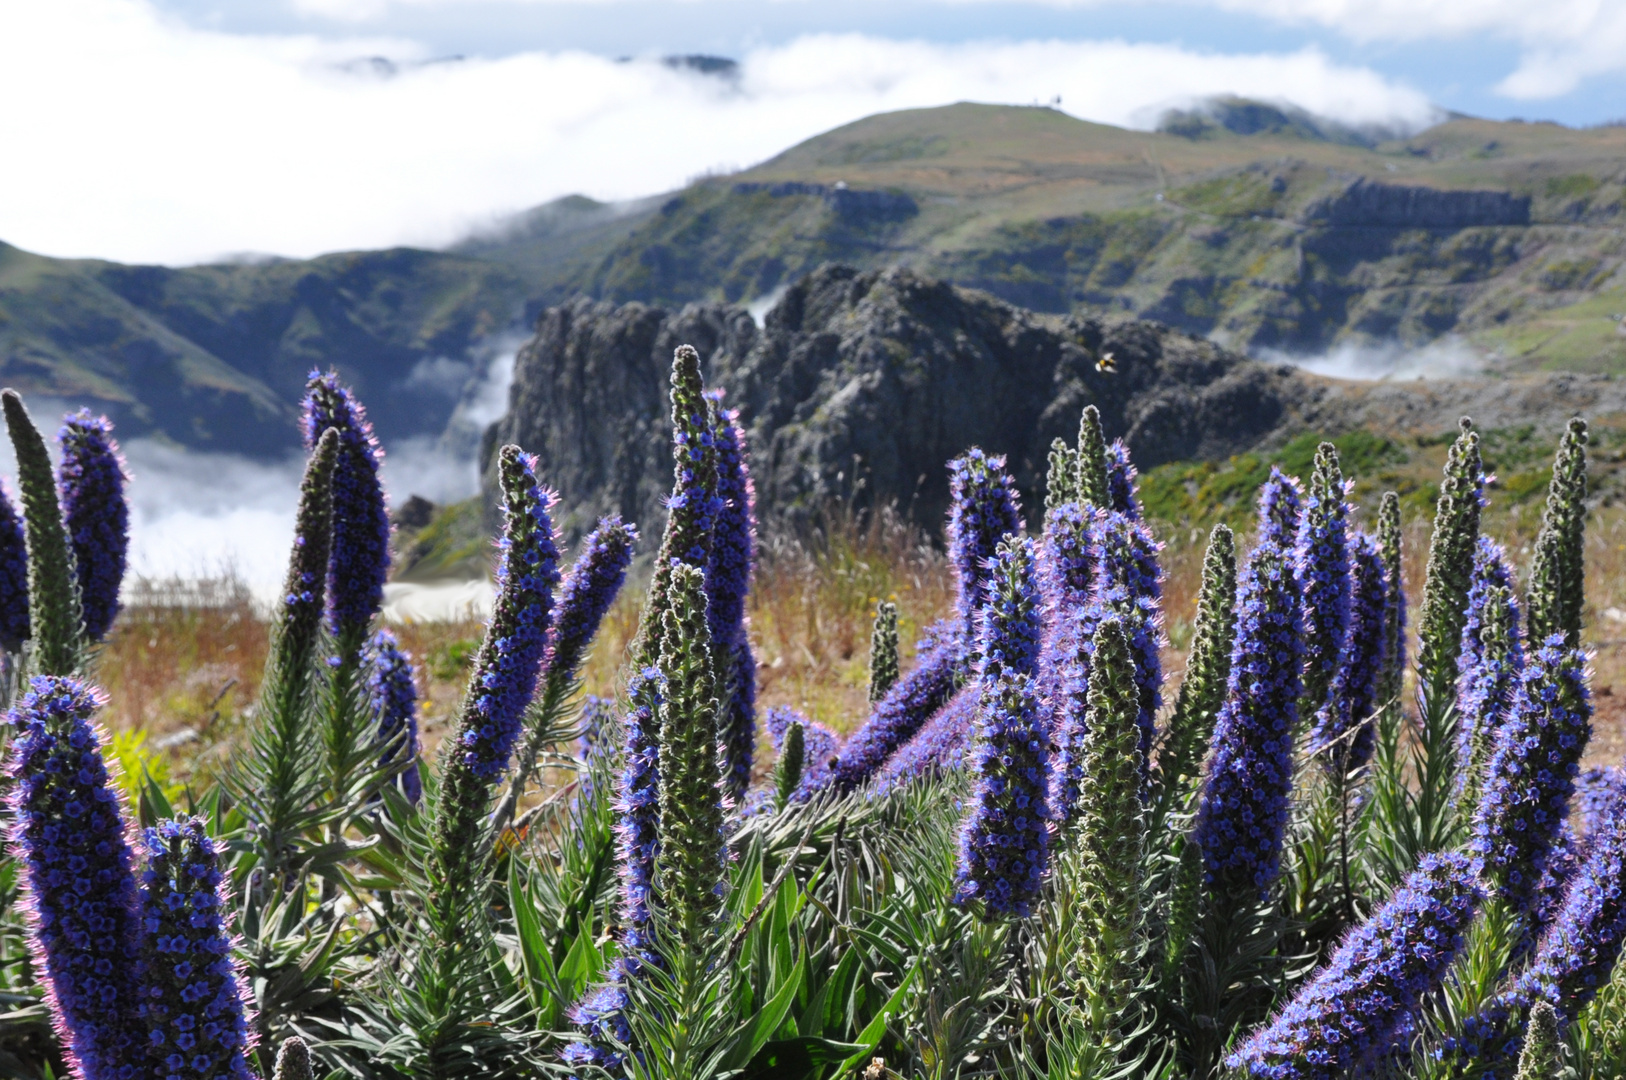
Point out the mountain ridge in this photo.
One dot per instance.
(1253, 225)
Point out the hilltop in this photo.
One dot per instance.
(1255, 226)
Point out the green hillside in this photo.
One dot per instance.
(216, 356)
(1290, 237)
(1259, 227)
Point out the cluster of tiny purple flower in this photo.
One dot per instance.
(91, 483)
(13, 576)
(194, 995)
(728, 581)
(590, 587)
(393, 698)
(1532, 770)
(1355, 688)
(1243, 811)
(359, 560)
(1351, 1010)
(528, 571)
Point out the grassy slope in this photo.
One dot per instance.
(1059, 214)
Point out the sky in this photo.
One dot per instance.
(183, 131)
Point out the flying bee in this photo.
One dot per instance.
(1106, 362)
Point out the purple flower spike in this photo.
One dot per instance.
(1004, 846)
(81, 894)
(1121, 481)
(913, 700)
(195, 1005)
(360, 559)
(1359, 1005)
(1005, 843)
(1595, 793)
(1489, 665)
(1243, 811)
(1532, 772)
(728, 581)
(984, 510)
(13, 576)
(938, 747)
(91, 480)
(587, 593)
(1280, 502)
(1579, 950)
(638, 806)
(1355, 688)
(1068, 554)
(819, 748)
(1321, 562)
(394, 700)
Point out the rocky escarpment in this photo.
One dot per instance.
(861, 386)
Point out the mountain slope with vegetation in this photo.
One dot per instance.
(1259, 227)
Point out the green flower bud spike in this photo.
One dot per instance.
(1061, 482)
(1539, 1058)
(691, 807)
(788, 773)
(1450, 568)
(1557, 571)
(1091, 485)
(1111, 829)
(53, 589)
(1208, 666)
(883, 651)
(1394, 625)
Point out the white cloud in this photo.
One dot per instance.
(1562, 41)
(134, 137)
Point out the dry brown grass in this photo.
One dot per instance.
(176, 664)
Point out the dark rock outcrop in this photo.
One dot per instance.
(861, 386)
(1364, 204)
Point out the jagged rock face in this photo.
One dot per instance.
(861, 386)
(589, 397)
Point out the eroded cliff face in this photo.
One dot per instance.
(861, 385)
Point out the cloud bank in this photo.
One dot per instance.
(132, 136)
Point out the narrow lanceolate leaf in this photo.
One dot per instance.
(1208, 665)
(53, 589)
(1450, 568)
(883, 651)
(1091, 487)
(691, 812)
(1394, 619)
(1557, 567)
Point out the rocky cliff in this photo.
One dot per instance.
(861, 386)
